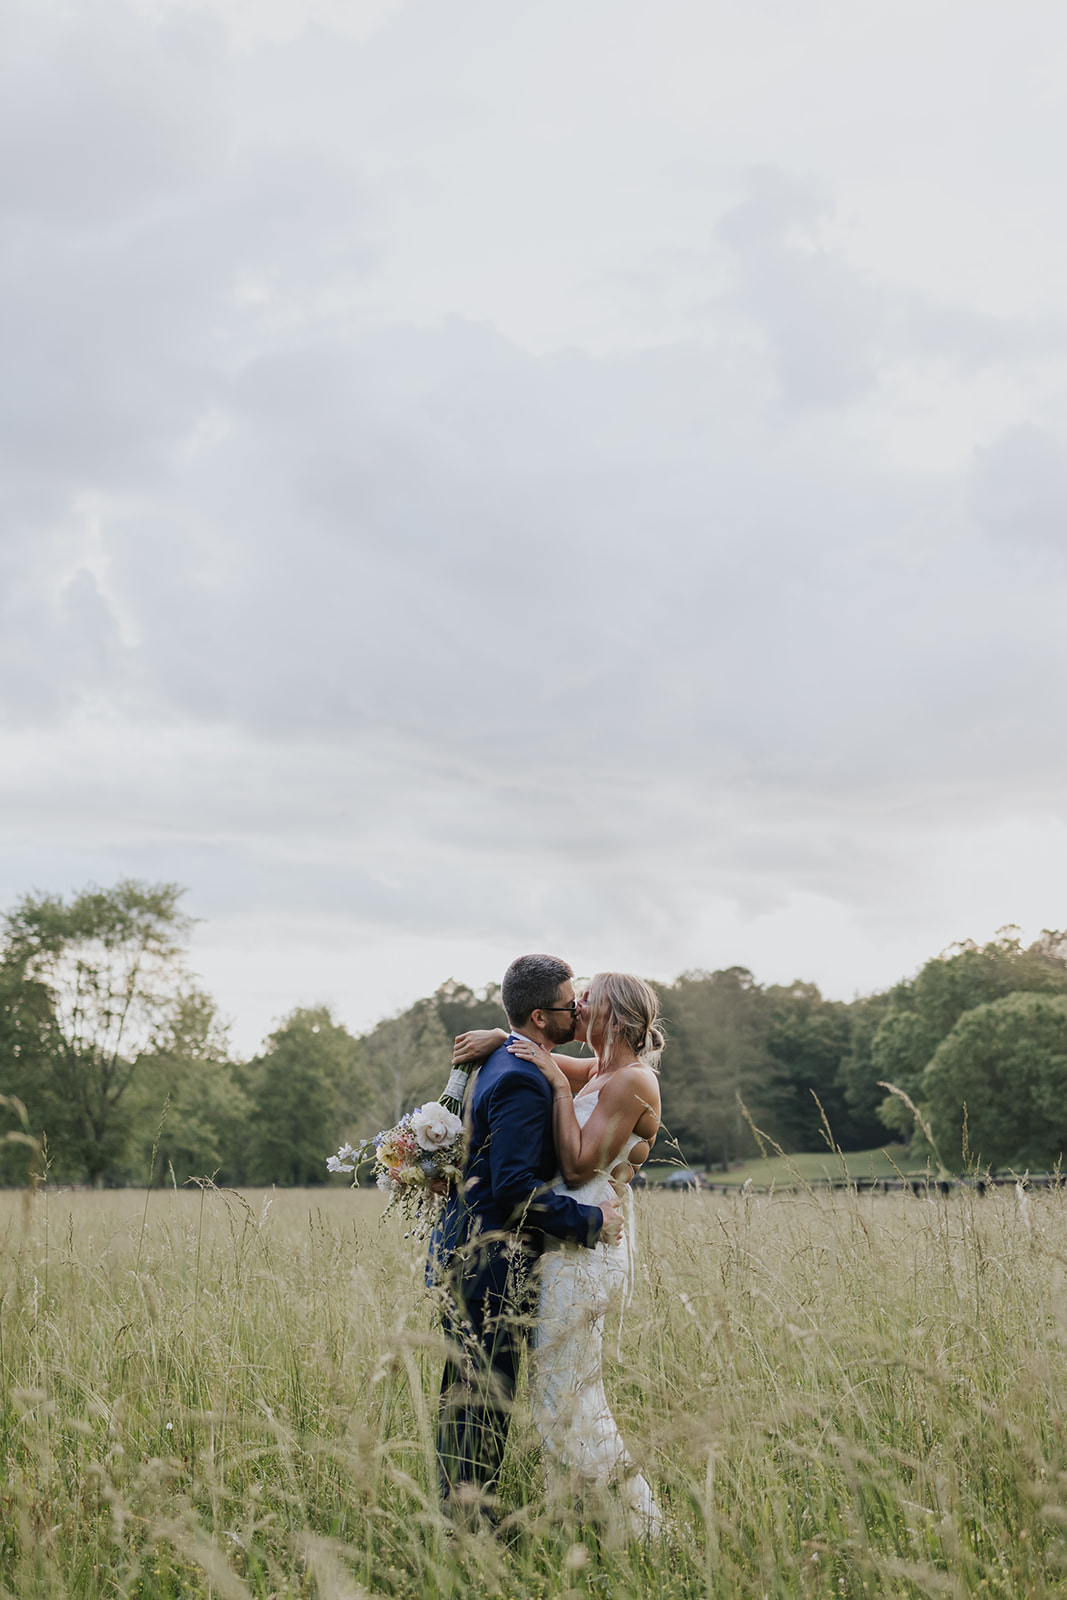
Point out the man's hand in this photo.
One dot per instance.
(477, 1044)
(611, 1229)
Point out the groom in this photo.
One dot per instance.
(497, 1220)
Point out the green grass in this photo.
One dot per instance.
(885, 1162)
(833, 1395)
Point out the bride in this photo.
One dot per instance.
(605, 1118)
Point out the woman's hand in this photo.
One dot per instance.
(543, 1062)
(477, 1045)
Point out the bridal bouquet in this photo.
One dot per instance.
(413, 1162)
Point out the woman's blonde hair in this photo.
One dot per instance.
(624, 1007)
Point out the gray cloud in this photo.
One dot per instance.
(1019, 487)
(105, 113)
(832, 334)
(327, 593)
(824, 323)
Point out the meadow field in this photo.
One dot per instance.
(793, 1171)
(231, 1394)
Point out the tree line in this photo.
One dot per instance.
(116, 1067)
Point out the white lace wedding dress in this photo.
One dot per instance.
(582, 1445)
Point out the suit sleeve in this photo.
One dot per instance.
(517, 1121)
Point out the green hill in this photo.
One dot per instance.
(782, 1171)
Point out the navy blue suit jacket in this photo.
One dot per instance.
(510, 1164)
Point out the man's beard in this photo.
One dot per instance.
(560, 1028)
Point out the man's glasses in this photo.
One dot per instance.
(572, 1008)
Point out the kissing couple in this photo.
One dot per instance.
(537, 1238)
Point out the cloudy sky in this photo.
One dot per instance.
(588, 476)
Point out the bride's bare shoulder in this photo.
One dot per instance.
(634, 1080)
(643, 1084)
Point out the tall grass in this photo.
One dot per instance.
(233, 1396)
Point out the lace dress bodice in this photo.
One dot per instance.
(598, 1187)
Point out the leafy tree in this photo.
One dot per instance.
(716, 1057)
(919, 1013)
(903, 1045)
(406, 1060)
(205, 1132)
(807, 1040)
(26, 1027)
(303, 1092)
(99, 977)
(1007, 1063)
(859, 1076)
(459, 1008)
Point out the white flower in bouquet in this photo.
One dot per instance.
(414, 1163)
(344, 1161)
(434, 1126)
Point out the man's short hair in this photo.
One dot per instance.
(532, 983)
